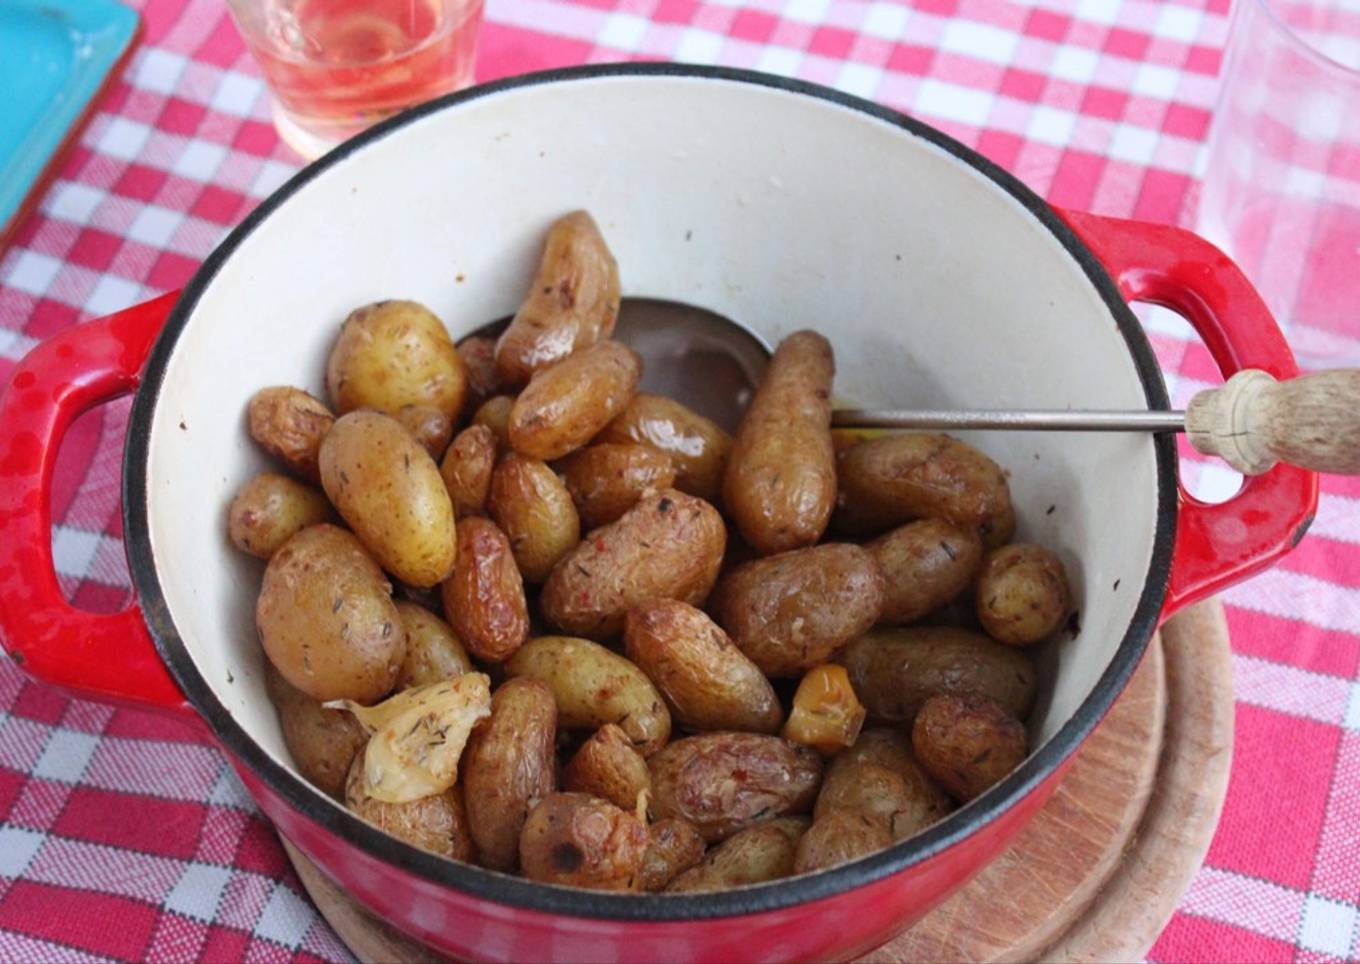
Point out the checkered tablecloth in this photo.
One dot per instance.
(122, 836)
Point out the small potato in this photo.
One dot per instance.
(395, 353)
(573, 300)
(698, 447)
(755, 855)
(668, 546)
(326, 618)
(793, 611)
(887, 481)
(495, 415)
(594, 686)
(925, 565)
(508, 767)
(390, 492)
(321, 741)
(1022, 594)
(708, 683)
(673, 846)
(581, 841)
(967, 743)
(532, 505)
(269, 510)
(780, 485)
(566, 405)
(467, 468)
(436, 823)
(606, 480)
(433, 650)
(826, 714)
(479, 367)
(289, 424)
(484, 595)
(838, 837)
(890, 750)
(429, 426)
(894, 671)
(724, 782)
(608, 767)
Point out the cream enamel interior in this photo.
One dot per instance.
(774, 208)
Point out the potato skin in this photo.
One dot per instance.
(607, 766)
(673, 846)
(572, 302)
(582, 841)
(386, 486)
(894, 671)
(433, 650)
(508, 767)
(792, 611)
(925, 565)
(967, 743)
(594, 686)
(698, 447)
(837, 837)
(495, 415)
(326, 618)
(437, 823)
(760, 853)
(479, 368)
(1022, 594)
(532, 505)
(395, 353)
(780, 484)
(466, 470)
(724, 782)
(428, 426)
(484, 595)
(269, 510)
(853, 781)
(289, 424)
(322, 742)
(606, 480)
(566, 405)
(708, 683)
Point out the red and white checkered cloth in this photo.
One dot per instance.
(123, 837)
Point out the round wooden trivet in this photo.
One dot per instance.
(1094, 877)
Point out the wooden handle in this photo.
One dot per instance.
(1253, 421)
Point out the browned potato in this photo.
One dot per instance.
(289, 424)
(673, 846)
(594, 686)
(794, 610)
(608, 767)
(436, 823)
(466, 470)
(484, 596)
(433, 650)
(534, 508)
(668, 546)
(479, 366)
(884, 749)
(326, 618)
(582, 841)
(508, 767)
(1022, 594)
(269, 510)
(321, 741)
(698, 447)
(837, 837)
(894, 671)
(565, 405)
(495, 415)
(887, 481)
(826, 713)
(925, 565)
(780, 485)
(395, 353)
(429, 426)
(723, 782)
(572, 303)
(755, 855)
(967, 743)
(390, 492)
(606, 480)
(707, 682)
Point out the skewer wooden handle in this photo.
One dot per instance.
(1254, 421)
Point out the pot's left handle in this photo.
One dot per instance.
(108, 657)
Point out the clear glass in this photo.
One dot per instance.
(336, 67)
(1281, 189)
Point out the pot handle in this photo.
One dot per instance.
(107, 657)
(1216, 545)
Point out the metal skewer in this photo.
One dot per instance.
(1053, 420)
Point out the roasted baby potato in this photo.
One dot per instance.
(967, 743)
(532, 505)
(433, 650)
(606, 480)
(269, 510)
(484, 595)
(924, 802)
(326, 618)
(925, 565)
(583, 841)
(780, 484)
(566, 405)
(673, 846)
(607, 766)
(428, 426)
(495, 415)
(1022, 594)
(479, 368)
(826, 715)
(437, 823)
(321, 741)
(759, 853)
(668, 546)
(289, 424)
(698, 448)
(837, 837)
(466, 470)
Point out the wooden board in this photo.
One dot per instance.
(1099, 871)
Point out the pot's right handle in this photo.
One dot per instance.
(108, 657)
